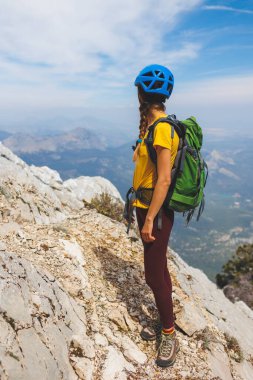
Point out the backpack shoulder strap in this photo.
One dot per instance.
(175, 125)
(149, 143)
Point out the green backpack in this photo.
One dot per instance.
(189, 172)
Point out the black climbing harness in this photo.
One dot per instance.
(144, 195)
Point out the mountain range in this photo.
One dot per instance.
(76, 139)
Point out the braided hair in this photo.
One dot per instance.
(148, 101)
(144, 111)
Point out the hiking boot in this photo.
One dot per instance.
(167, 350)
(153, 331)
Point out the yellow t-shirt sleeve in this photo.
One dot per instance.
(162, 135)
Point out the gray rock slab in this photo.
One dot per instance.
(115, 365)
(86, 187)
(37, 323)
(243, 369)
(2, 246)
(234, 319)
(38, 195)
(190, 318)
(219, 362)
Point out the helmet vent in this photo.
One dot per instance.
(158, 84)
(159, 74)
(147, 82)
(169, 88)
(149, 74)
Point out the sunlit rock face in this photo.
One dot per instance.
(74, 298)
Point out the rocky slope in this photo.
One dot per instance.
(39, 195)
(74, 298)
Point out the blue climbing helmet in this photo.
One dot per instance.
(156, 79)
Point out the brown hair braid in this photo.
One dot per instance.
(148, 101)
(144, 111)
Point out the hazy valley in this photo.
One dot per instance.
(228, 217)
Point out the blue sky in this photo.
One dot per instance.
(57, 57)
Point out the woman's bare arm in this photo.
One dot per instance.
(160, 191)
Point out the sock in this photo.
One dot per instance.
(168, 331)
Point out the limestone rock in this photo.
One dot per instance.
(74, 251)
(132, 352)
(83, 367)
(115, 365)
(32, 345)
(30, 199)
(117, 316)
(85, 188)
(48, 176)
(211, 302)
(83, 346)
(219, 362)
(74, 290)
(2, 246)
(101, 340)
(190, 318)
(243, 370)
(8, 228)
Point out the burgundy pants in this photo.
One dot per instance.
(155, 264)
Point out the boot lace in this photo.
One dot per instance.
(166, 345)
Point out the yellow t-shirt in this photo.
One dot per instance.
(145, 171)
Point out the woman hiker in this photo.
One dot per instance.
(155, 84)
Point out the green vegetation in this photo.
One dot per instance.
(207, 337)
(4, 192)
(250, 359)
(107, 206)
(241, 263)
(233, 347)
(237, 276)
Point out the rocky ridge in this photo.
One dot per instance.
(39, 195)
(74, 298)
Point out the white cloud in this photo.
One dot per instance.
(79, 43)
(77, 53)
(226, 8)
(230, 90)
(223, 106)
(229, 173)
(76, 36)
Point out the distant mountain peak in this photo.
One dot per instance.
(74, 139)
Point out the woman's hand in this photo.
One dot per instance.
(146, 232)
